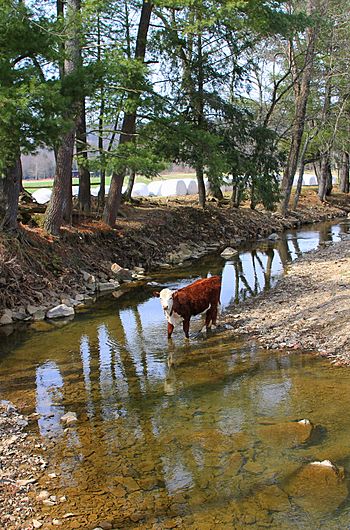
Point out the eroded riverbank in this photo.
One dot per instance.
(38, 273)
(308, 309)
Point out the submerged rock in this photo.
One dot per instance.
(70, 418)
(318, 487)
(287, 434)
(273, 499)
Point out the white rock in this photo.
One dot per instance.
(228, 253)
(44, 494)
(36, 523)
(69, 418)
(47, 502)
(324, 463)
(60, 311)
(25, 482)
(305, 422)
(273, 237)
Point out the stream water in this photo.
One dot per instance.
(212, 441)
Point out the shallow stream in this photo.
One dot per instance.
(212, 441)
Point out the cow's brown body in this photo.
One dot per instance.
(202, 295)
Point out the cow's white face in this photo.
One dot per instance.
(166, 299)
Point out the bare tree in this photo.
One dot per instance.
(82, 154)
(344, 173)
(301, 90)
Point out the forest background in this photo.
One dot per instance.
(245, 90)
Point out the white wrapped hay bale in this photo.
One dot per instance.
(310, 180)
(42, 196)
(207, 185)
(192, 186)
(226, 185)
(140, 190)
(154, 188)
(173, 188)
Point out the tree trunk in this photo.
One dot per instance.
(102, 191)
(301, 173)
(201, 185)
(237, 193)
(323, 183)
(130, 186)
(61, 200)
(129, 122)
(344, 173)
(199, 106)
(60, 206)
(299, 117)
(329, 181)
(10, 192)
(84, 173)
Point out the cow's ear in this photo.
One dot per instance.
(156, 293)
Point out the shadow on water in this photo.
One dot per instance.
(207, 440)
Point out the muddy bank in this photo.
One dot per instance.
(308, 310)
(38, 272)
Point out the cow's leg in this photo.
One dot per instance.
(170, 329)
(208, 318)
(186, 327)
(214, 314)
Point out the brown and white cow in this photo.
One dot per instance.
(179, 306)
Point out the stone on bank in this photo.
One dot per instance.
(61, 310)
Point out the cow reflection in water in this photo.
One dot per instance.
(199, 297)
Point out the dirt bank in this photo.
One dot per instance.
(308, 309)
(38, 270)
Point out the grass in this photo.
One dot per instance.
(32, 185)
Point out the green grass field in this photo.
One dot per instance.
(32, 185)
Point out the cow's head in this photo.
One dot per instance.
(166, 299)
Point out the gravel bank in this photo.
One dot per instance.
(21, 465)
(307, 310)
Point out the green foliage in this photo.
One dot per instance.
(28, 104)
(263, 168)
